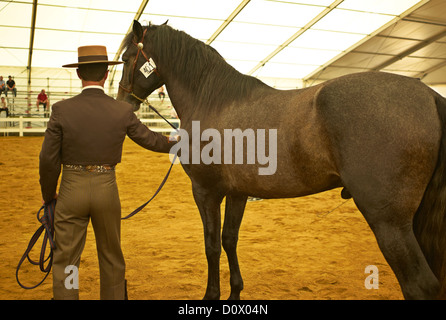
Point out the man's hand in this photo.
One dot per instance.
(55, 197)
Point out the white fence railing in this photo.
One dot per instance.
(24, 125)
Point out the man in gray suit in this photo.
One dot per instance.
(84, 136)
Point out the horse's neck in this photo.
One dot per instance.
(182, 100)
(189, 105)
(205, 90)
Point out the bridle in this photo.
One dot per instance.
(150, 63)
(140, 46)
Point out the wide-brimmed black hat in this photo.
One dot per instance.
(91, 54)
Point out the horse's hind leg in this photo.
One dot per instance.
(208, 203)
(235, 206)
(394, 233)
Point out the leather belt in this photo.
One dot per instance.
(91, 168)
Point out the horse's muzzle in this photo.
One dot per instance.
(125, 96)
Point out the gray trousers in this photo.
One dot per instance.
(83, 196)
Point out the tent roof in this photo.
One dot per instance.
(300, 41)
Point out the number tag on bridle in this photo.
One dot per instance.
(147, 68)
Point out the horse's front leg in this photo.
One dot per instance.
(208, 203)
(235, 206)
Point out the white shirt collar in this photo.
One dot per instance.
(93, 87)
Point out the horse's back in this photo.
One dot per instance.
(379, 110)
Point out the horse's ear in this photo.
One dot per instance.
(165, 22)
(137, 30)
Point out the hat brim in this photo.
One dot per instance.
(75, 65)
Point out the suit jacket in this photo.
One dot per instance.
(89, 129)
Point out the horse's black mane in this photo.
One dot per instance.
(200, 66)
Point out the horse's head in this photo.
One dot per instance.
(140, 76)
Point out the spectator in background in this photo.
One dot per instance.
(173, 115)
(2, 85)
(10, 86)
(4, 107)
(161, 93)
(42, 98)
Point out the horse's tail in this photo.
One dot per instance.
(430, 220)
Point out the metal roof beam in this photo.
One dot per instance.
(425, 21)
(228, 21)
(319, 70)
(423, 74)
(316, 19)
(411, 50)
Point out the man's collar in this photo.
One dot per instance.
(93, 87)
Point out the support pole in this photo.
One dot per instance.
(30, 54)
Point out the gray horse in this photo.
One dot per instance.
(379, 136)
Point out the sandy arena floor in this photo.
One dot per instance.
(288, 249)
